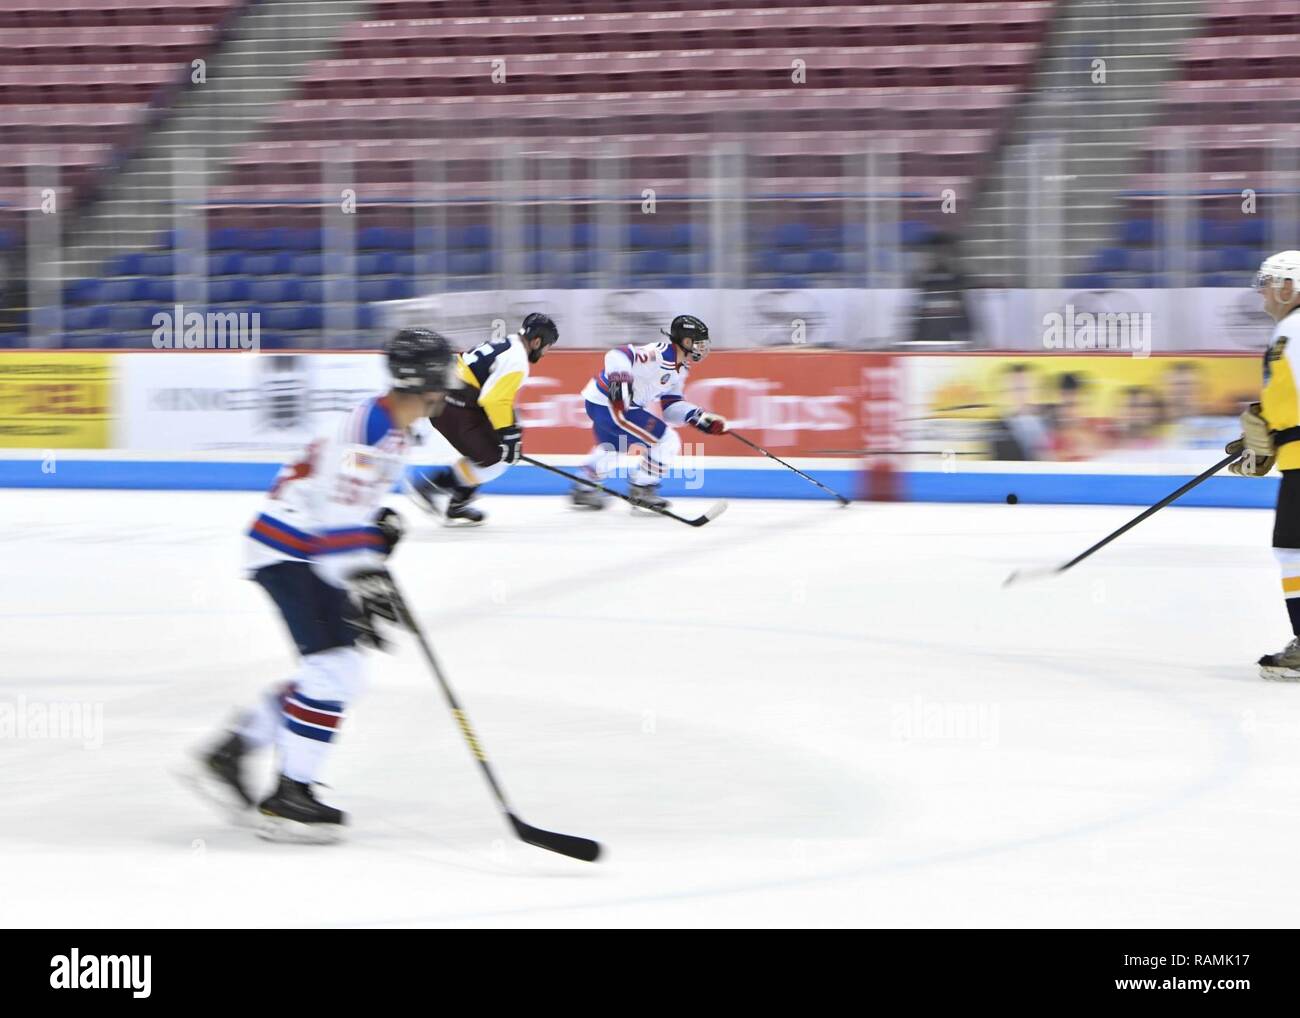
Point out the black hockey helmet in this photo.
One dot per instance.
(419, 361)
(688, 326)
(535, 325)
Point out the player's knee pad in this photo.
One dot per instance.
(667, 448)
(337, 675)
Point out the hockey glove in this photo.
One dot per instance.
(511, 440)
(1255, 445)
(391, 528)
(620, 389)
(710, 424)
(373, 598)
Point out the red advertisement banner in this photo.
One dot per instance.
(793, 403)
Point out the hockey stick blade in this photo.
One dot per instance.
(708, 516)
(712, 513)
(1025, 575)
(563, 844)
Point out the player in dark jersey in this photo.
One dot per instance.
(480, 423)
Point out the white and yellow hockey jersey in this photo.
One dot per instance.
(497, 370)
(1278, 402)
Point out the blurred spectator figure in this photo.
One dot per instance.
(939, 311)
(1141, 419)
(1193, 423)
(1075, 435)
(1020, 433)
(1183, 390)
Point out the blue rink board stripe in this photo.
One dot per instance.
(917, 486)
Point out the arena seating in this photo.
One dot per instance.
(79, 81)
(1224, 126)
(658, 82)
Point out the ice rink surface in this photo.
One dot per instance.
(796, 715)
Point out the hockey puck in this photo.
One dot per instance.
(1012, 499)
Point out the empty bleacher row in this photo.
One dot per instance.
(1224, 133)
(79, 82)
(598, 101)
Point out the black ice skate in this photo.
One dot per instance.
(460, 513)
(646, 496)
(1284, 666)
(292, 813)
(217, 776)
(425, 493)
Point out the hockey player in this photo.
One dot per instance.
(1271, 435)
(318, 548)
(619, 401)
(480, 423)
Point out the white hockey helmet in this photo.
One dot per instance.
(1277, 268)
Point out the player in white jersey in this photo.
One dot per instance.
(619, 403)
(480, 421)
(318, 548)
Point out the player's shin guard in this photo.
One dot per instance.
(260, 724)
(1288, 560)
(313, 709)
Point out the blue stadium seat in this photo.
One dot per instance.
(116, 291)
(1141, 261)
(1138, 232)
(652, 262)
(229, 238)
(376, 263)
(474, 237)
(307, 265)
(276, 291)
(823, 261)
(1253, 231)
(1239, 259)
(469, 263)
(228, 263)
(384, 238)
(791, 235)
(131, 318)
(302, 239)
(647, 235)
(915, 233)
(227, 291)
(82, 291)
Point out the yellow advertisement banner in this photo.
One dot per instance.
(1063, 408)
(55, 400)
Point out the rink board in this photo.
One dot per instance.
(917, 486)
(1069, 428)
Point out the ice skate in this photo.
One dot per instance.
(217, 777)
(294, 814)
(461, 512)
(646, 496)
(1284, 666)
(425, 493)
(583, 497)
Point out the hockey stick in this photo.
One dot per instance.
(1019, 575)
(565, 844)
(890, 452)
(758, 448)
(712, 513)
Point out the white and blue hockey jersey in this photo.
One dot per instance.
(658, 374)
(322, 509)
